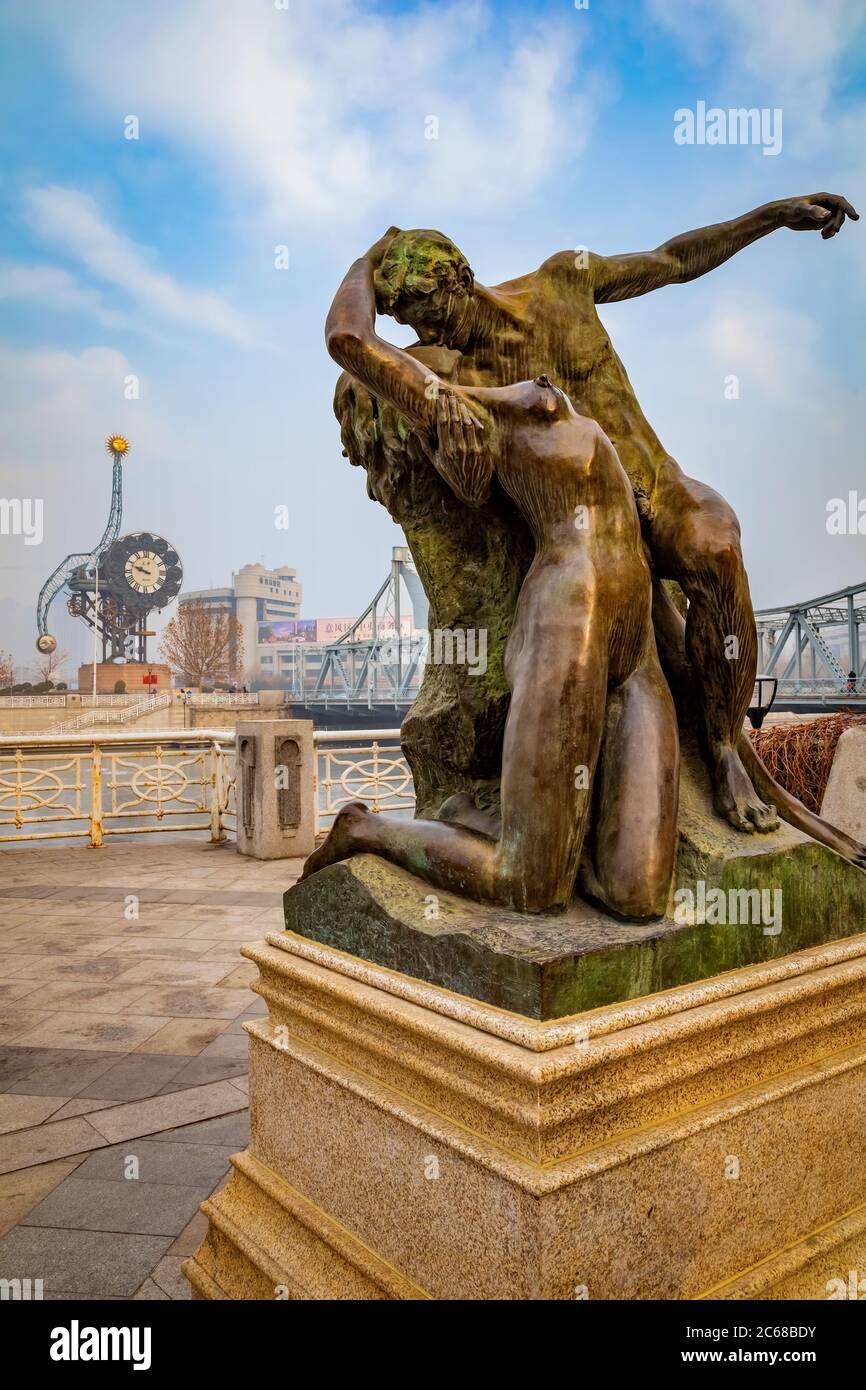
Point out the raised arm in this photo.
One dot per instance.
(387, 371)
(454, 431)
(694, 253)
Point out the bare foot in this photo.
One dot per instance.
(736, 800)
(460, 809)
(341, 841)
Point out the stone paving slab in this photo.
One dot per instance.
(24, 1111)
(26, 1148)
(166, 1161)
(123, 1036)
(185, 1037)
(134, 1077)
(131, 1207)
(163, 1112)
(53, 1071)
(20, 1192)
(71, 1263)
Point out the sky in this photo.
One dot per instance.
(274, 131)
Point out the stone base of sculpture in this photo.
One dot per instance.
(735, 900)
(409, 1142)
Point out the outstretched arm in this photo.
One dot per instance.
(694, 253)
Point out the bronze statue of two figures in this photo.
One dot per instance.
(541, 507)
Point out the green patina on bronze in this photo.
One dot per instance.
(471, 562)
(549, 967)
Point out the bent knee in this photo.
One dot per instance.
(635, 894)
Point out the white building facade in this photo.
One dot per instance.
(256, 595)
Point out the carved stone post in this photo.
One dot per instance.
(275, 788)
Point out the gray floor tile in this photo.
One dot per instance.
(232, 1130)
(140, 1118)
(134, 1207)
(134, 1077)
(228, 1045)
(201, 1070)
(150, 1293)
(64, 1072)
(87, 1263)
(186, 1165)
(167, 1276)
(26, 1148)
(16, 1063)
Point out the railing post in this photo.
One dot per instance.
(316, 826)
(96, 797)
(217, 833)
(377, 805)
(19, 759)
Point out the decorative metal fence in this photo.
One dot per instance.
(367, 766)
(89, 786)
(32, 701)
(236, 699)
(86, 787)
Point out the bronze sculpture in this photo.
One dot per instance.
(586, 686)
(474, 339)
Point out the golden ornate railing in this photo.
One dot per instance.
(92, 785)
(361, 766)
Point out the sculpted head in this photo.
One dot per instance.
(425, 281)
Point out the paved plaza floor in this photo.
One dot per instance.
(123, 1058)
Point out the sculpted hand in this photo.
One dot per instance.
(460, 432)
(824, 212)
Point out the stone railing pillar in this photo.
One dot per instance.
(275, 788)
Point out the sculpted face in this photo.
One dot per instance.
(425, 281)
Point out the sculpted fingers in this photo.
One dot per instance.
(459, 429)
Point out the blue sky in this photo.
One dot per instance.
(304, 126)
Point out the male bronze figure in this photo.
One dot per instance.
(547, 322)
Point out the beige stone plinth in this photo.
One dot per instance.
(407, 1142)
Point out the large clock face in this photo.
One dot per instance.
(145, 572)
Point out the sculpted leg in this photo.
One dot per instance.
(552, 740)
(635, 815)
(695, 538)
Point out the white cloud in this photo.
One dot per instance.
(791, 50)
(297, 108)
(70, 220)
(56, 288)
(768, 347)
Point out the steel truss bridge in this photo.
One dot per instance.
(810, 648)
(379, 662)
(816, 649)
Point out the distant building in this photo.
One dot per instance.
(257, 595)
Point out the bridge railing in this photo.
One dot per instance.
(89, 786)
(32, 701)
(238, 699)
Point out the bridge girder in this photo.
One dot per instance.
(786, 635)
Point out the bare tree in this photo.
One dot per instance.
(51, 665)
(202, 643)
(7, 671)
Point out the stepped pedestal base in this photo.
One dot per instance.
(707, 1141)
